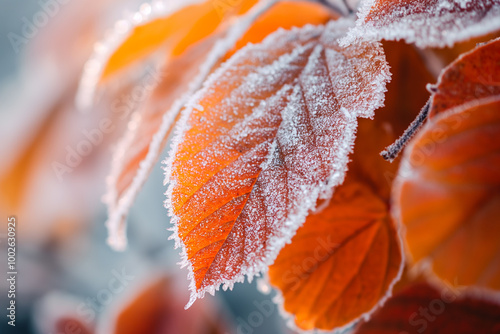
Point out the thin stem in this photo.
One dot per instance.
(392, 151)
(335, 8)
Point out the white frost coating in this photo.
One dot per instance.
(427, 23)
(116, 223)
(308, 94)
(113, 39)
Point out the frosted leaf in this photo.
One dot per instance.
(104, 50)
(146, 136)
(151, 125)
(267, 136)
(427, 23)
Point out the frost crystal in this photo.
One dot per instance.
(428, 23)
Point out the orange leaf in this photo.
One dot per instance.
(264, 139)
(172, 30)
(344, 260)
(447, 194)
(425, 22)
(284, 15)
(179, 30)
(472, 76)
(421, 308)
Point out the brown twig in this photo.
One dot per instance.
(392, 151)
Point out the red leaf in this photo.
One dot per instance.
(425, 22)
(472, 76)
(421, 308)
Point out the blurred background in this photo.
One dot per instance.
(68, 279)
